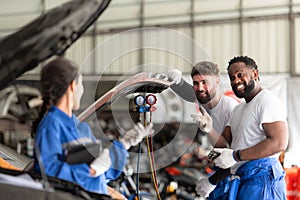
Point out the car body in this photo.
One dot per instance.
(49, 35)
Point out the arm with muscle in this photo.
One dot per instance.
(276, 141)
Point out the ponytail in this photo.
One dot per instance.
(44, 109)
(55, 78)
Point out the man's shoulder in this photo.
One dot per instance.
(230, 101)
(267, 96)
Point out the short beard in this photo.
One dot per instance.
(205, 100)
(248, 89)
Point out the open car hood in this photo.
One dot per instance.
(141, 82)
(50, 34)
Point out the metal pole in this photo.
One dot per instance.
(292, 39)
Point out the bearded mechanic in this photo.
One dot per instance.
(256, 134)
(206, 88)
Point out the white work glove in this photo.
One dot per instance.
(203, 119)
(204, 187)
(136, 135)
(175, 75)
(225, 159)
(102, 163)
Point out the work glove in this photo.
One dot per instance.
(175, 75)
(136, 135)
(204, 187)
(225, 159)
(102, 163)
(203, 119)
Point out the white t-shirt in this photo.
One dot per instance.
(221, 113)
(247, 119)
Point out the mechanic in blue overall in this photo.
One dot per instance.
(206, 86)
(57, 127)
(256, 134)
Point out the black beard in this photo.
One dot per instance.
(205, 100)
(247, 90)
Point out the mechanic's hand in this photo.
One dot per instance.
(102, 163)
(136, 135)
(203, 119)
(225, 159)
(204, 187)
(175, 75)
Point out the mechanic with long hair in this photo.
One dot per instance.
(57, 127)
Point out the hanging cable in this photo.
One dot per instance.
(138, 172)
(151, 100)
(143, 108)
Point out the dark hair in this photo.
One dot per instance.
(205, 68)
(55, 79)
(245, 59)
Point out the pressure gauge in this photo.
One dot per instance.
(139, 100)
(151, 99)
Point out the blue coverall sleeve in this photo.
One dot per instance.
(118, 155)
(84, 130)
(50, 146)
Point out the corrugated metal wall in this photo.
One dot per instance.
(266, 30)
(186, 32)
